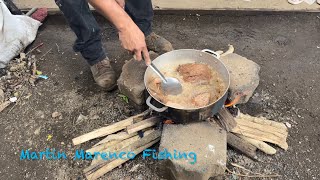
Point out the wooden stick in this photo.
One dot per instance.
(126, 142)
(262, 130)
(264, 147)
(265, 134)
(142, 125)
(103, 146)
(277, 131)
(106, 130)
(119, 136)
(242, 146)
(39, 45)
(146, 139)
(110, 166)
(120, 145)
(263, 121)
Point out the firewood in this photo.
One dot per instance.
(142, 125)
(226, 119)
(113, 164)
(263, 121)
(264, 147)
(241, 145)
(107, 130)
(262, 130)
(145, 140)
(120, 145)
(103, 146)
(119, 136)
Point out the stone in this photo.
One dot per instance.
(244, 76)
(207, 140)
(131, 83)
(56, 114)
(81, 118)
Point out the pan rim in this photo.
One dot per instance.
(190, 109)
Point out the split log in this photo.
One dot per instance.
(264, 147)
(103, 146)
(116, 147)
(155, 135)
(263, 121)
(113, 164)
(143, 124)
(262, 130)
(107, 130)
(119, 136)
(226, 119)
(241, 145)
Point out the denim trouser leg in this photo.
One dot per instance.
(86, 28)
(141, 13)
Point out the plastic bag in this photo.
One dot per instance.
(16, 33)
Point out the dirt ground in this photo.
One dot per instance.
(286, 46)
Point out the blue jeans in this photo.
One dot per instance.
(86, 28)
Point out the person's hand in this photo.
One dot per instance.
(133, 40)
(121, 3)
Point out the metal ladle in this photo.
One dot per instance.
(169, 85)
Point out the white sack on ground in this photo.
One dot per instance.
(16, 33)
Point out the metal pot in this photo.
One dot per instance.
(184, 56)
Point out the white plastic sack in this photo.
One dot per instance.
(16, 33)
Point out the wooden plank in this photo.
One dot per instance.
(97, 170)
(262, 131)
(104, 131)
(120, 145)
(103, 146)
(252, 5)
(142, 125)
(107, 168)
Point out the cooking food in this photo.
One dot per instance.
(200, 83)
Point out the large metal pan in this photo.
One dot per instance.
(184, 56)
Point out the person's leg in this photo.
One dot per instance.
(86, 28)
(141, 13)
(88, 43)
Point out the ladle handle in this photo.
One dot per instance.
(212, 53)
(156, 70)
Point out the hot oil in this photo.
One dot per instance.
(215, 86)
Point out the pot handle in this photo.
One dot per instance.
(148, 102)
(216, 55)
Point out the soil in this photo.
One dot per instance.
(286, 46)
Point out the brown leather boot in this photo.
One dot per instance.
(104, 75)
(158, 44)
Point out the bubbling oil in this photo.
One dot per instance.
(215, 86)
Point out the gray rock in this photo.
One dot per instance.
(207, 141)
(244, 76)
(130, 82)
